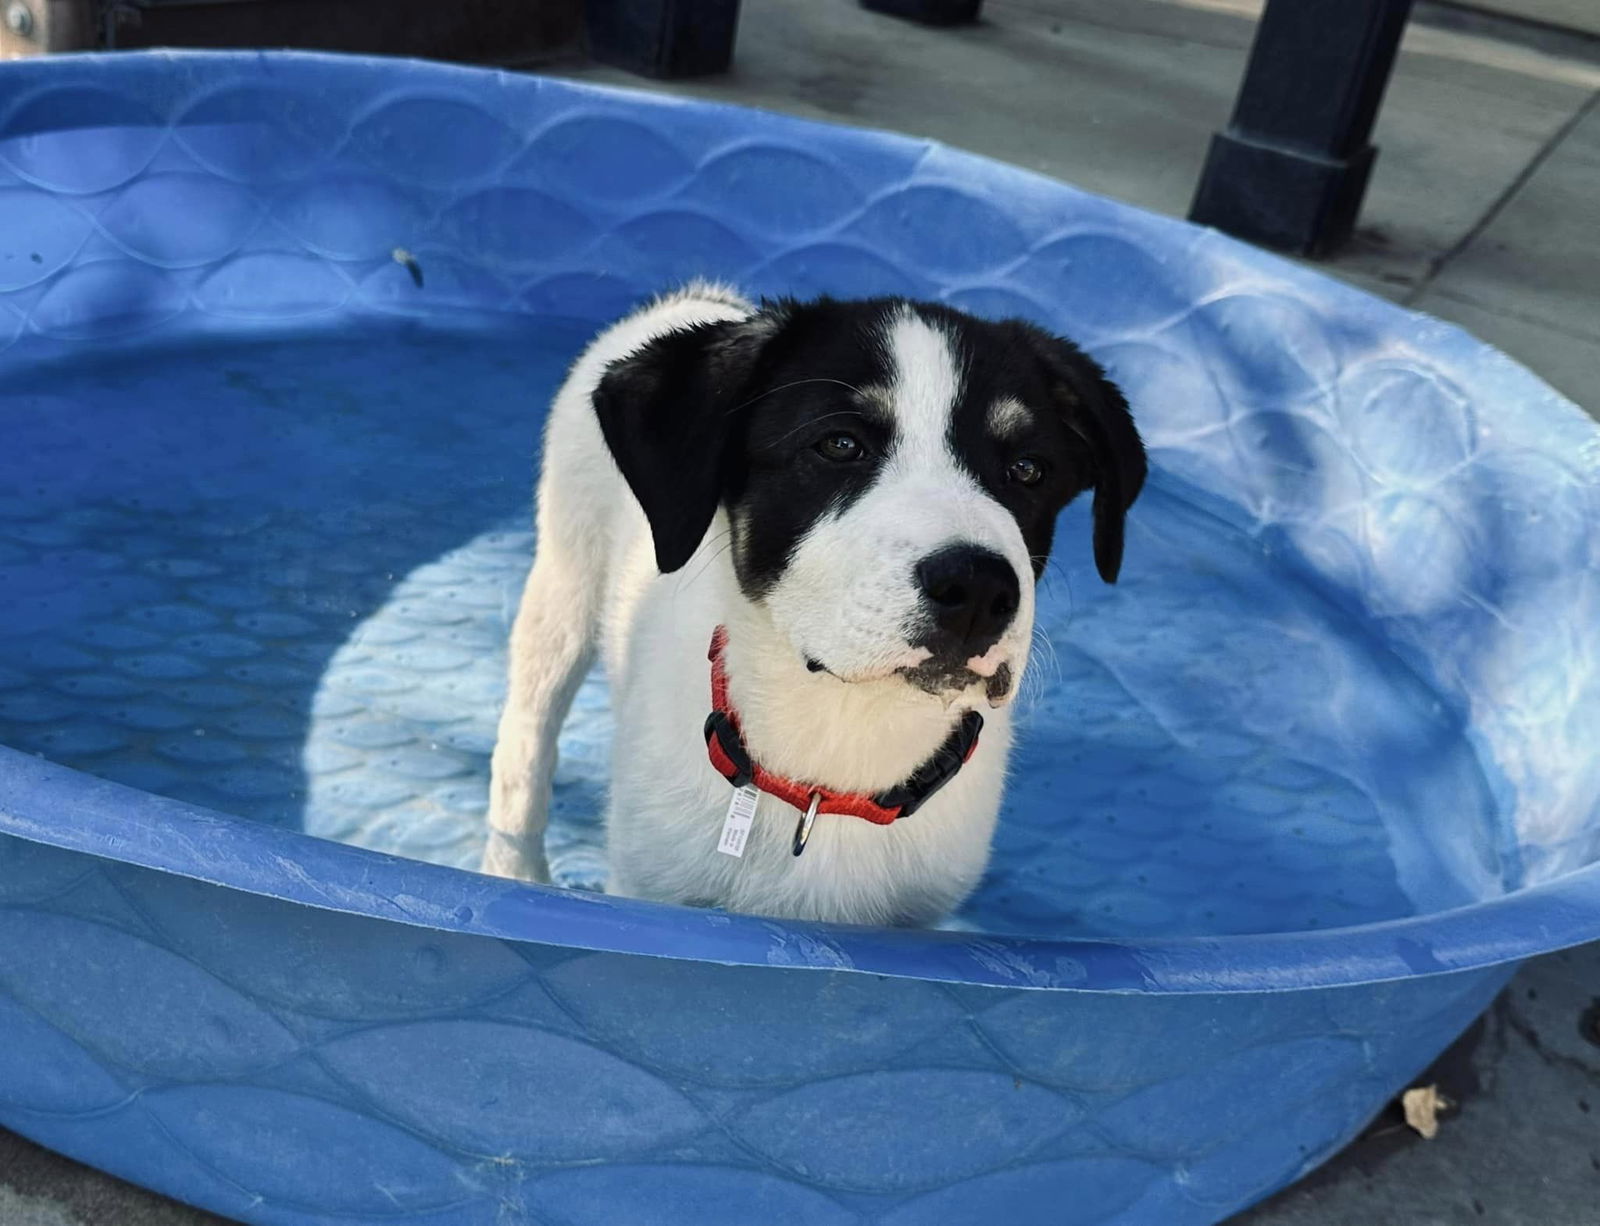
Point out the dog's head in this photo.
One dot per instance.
(892, 473)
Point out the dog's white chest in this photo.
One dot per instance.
(669, 806)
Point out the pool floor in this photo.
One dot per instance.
(274, 576)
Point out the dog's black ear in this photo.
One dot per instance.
(667, 411)
(1098, 413)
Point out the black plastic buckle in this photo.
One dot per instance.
(937, 771)
(719, 725)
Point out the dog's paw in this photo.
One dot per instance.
(502, 858)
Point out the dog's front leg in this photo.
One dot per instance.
(552, 646)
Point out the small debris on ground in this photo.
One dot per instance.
(1423, 1105)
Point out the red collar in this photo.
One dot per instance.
(725, 744)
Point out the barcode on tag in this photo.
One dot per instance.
(736, 826)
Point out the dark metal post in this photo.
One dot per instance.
(1292, 167)
(934, 12)
(663, 38)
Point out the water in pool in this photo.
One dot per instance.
(275, 577)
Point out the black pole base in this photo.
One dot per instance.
(1279, 197)
(663, 38)
(931, 12)
(1291, 166)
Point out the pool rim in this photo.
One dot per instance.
(114, 822)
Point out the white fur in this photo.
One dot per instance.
(845, 599)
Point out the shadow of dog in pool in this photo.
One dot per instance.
(823, 523)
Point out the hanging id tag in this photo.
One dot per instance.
(736, 826)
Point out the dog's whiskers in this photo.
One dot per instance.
(816, 421)
(1066, 580)
(783, 387)
(1034, 680)
(724, 542)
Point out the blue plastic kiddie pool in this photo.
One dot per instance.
(276, 336)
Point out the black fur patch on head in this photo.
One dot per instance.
(754, 415)
(1096, 412)
(668, 412)
(1075, 424)
(817, 380)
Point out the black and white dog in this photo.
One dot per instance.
(848, 504)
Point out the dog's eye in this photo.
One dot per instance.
(841, 448)
(1026, 470)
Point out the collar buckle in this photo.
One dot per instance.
(937, 771)
(727, 750)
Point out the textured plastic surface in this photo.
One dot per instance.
(1290, 801)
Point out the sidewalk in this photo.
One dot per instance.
(1484, 210)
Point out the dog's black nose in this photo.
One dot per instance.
(972, 594)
